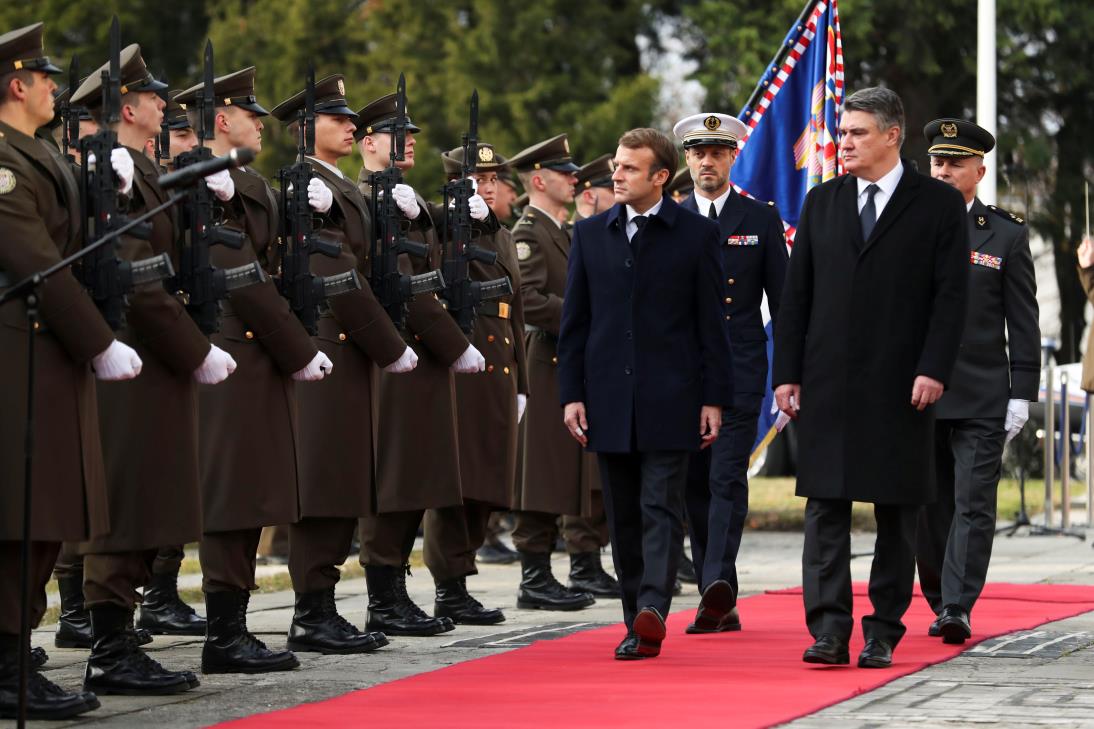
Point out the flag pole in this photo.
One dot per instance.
(985, 92)
(776, 62)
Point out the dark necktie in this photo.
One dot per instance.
(712, 213)
(640, 221)
(868, 216)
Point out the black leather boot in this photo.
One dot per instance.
(164, 613)
(539, 590)
(118, 666)
(38, 657)
(45, 700)
(318, 628)
(456, 603)
(229, 646)
(391, 610)
(587, 575)
(74, 624)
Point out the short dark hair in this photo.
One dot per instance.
(130, 98)
(24, 75)
(884, 104)
(665, 156)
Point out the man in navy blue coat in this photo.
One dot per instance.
(644, 369)
(753, 249)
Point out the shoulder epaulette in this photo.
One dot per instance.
(1006, 215)
(770, 203)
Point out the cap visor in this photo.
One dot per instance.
(256, 108)
(564, 167)
(152, 85)
(338, 111)
(49, 68)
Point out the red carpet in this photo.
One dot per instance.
(754, 678)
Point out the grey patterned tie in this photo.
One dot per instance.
(868, 216)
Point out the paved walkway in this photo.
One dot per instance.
(1048, 686)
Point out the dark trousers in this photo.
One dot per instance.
(388, 539)
(717, 498)
(826, 570)
(112, 578)
(955, 534)
(534, 531)
(317, 548)
(452, 537)
(644, 501)
(42, 556)
(228, 560)
(70, 563)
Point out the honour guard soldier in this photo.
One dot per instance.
(248, 431)
(681, 185)
(414, 411)
(505, 201)
(40, 214)
(754, 255)
(489, 407)
(987, 403)
(149, 427)
(557, 475)
(336, 426)
(183, 137)
(593, 190)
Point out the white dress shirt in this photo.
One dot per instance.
(703, 204)
(632, 227)
(329, 166)
(887, 185)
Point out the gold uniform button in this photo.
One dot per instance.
(728, 317)
(489, 368)
(249, 334)
(729, 299)
(342, 337)
(554, 360)
(37, 326)
(505, 370)
(507, 340)
(490, 338)
(417, 337)
(731, 281)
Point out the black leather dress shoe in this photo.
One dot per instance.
(934, 631)
(828, 650)
(649, 627)
(713, 615)
(875, 654)
(953, 623)
(38, 658)
(628, 649)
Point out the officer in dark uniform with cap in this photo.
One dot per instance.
(681, 185)
(556, 475)
(593, 191)
(996, 376)
(489, 408)
(336, 462)
(248, 431)
(755, 258)
(417, 411)
(149, 426)
(40, 216)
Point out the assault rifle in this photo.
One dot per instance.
(300, 240)
(463, 294)
(394, 289)
(70, 115)
(201, 284)
(107, 278)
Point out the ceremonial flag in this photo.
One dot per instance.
(792, 144)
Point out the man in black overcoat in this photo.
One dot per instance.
(869, 328)
(644, 367)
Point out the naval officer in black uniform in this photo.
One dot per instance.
(994, 380)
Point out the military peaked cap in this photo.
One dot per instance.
(957, 138)
(134, 77)
(378, 117)
(550, 154)
(235, 89)
(22, 50)
(330, 98)
(486, 160)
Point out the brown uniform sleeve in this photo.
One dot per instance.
(541, 309)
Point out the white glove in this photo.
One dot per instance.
(470, 361)
(122, 162)
(406, 200)
(217, 366)
(1017, 415)
(221, 184)
(319, 367)
(522, 403)
(405, 363)
(116, 362)
(479, 209)
(319, 195)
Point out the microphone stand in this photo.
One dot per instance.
(27, 290)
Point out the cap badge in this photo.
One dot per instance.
(712, 122)
(949, 130)
(7, 180)
(566, 144)
(341, 87)
(486, 154)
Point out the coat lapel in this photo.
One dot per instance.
(902, 196)
(979, 233)
(847, 200)
(733, 212)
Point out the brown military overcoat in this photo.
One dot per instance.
(337, 415)
(40, 218)
(418, 450)
(149, 425)
(556, 474)
(248, 423)
(486, 407)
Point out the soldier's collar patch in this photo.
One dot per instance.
(524, 251)
(7, 180)
(983, 259)
(981, 222)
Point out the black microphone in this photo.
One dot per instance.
(192, 173)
